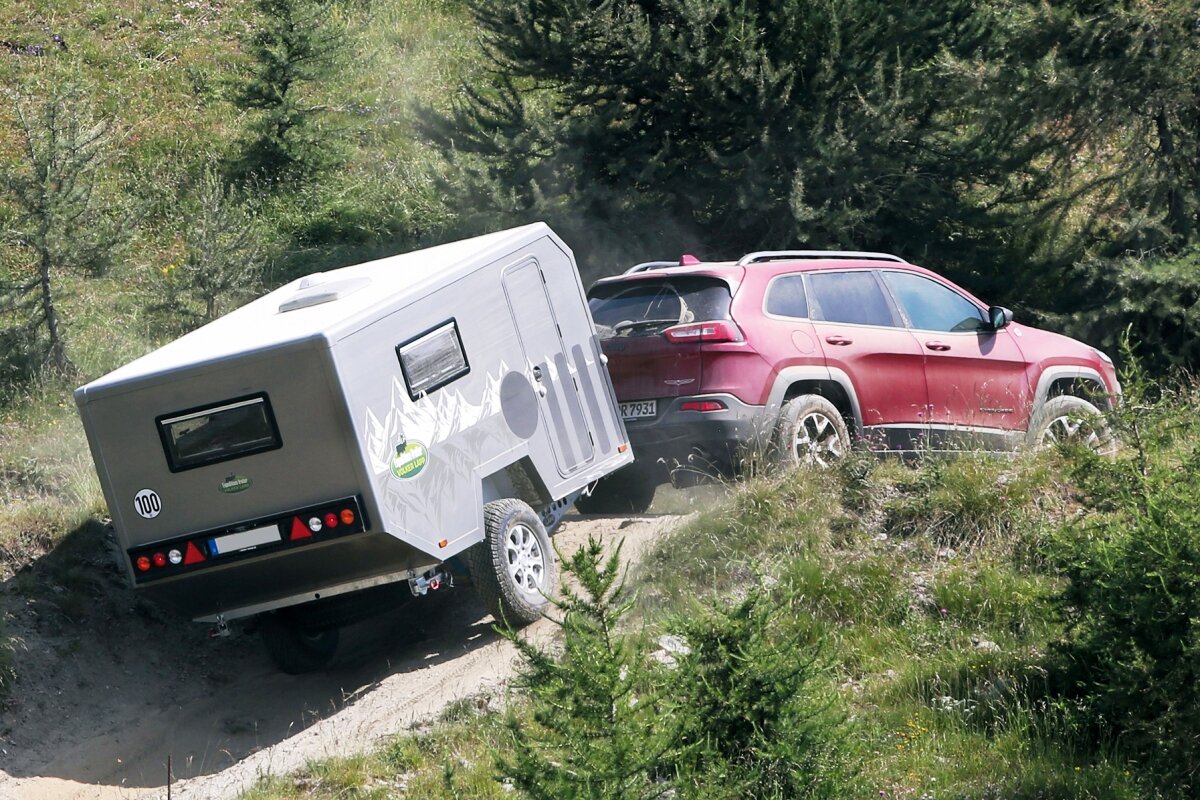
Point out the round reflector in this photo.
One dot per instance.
(160, 559)
(347, 516)
(143, 563)
(175, 556)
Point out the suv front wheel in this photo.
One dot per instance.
(1070, 420)
(810, 432)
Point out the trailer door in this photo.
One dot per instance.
(546, 360)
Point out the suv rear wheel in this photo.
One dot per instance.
(810, 432)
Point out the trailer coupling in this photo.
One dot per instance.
(431, 581)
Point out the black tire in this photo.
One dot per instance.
(1070, 420)
(513, 568)
(296, 649)
(810, 432)
(629, 490)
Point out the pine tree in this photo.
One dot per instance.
(60, 218)
(726, 126)
(297, 44)
(593, 730)
(224, 246)
(749, 698)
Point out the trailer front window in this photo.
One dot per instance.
(215, 433)
(432, 360)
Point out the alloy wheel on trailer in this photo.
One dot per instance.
(513, 568)
(296, 649)
(811, 432)
(526, 559)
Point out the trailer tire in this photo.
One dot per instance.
(513, 568)
(296, 649)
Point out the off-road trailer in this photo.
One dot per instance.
(358, 429)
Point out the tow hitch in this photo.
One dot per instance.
(431, 581)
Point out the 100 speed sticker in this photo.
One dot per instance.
(147, 503)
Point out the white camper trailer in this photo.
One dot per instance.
(357, 429)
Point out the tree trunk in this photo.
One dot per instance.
(58, 352)
(1177, 216)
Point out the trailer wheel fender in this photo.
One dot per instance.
(513, 568)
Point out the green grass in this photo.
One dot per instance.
(453, 759)
(935, 632)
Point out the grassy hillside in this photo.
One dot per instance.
(165, 74)
(975, 630)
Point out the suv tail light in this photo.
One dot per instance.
(702, 405)
(714, 331)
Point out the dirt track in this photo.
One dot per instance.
(109, 688)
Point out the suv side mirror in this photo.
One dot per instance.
(999, 317)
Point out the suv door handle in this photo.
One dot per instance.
(838, 339)
(938, 346)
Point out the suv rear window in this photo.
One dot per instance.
(647, 307)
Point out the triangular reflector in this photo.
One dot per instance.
(299, 529)
(192, 554)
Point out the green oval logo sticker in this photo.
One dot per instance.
(409, 460)
(234, 484)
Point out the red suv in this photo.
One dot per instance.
(802, 354)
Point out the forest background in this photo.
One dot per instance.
(163, 161)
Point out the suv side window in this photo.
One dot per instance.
(786, 298)
(853, 297)
(930, 306)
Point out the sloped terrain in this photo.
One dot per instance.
(112, 689)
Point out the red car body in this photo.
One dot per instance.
(705, 356)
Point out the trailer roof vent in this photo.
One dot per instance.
(313, 291)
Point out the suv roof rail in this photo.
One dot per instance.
(788, 255)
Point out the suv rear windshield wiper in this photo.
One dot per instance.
(630, 325)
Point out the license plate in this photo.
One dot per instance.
(244, 540)
(639, 409)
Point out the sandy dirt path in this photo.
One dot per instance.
(110, 688)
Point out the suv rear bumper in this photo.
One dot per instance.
(675, 443)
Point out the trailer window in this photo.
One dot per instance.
(219, 432)
(432, 360)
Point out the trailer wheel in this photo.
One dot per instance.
(513, 567)
(296, 649)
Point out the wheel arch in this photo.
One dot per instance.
(519, 480)
(1082, 382)
(831, 383)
